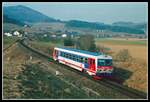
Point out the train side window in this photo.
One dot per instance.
(77, 58)
(66, 55)
(81, 59)
(70, 56)
(86, 60)
(61, 53)
(58, 53)
(74, 58)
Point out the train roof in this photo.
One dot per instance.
(81, 51)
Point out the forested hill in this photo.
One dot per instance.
(101, 26)
(13, 21)
(25, 14)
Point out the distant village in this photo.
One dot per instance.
(41, 33)
(15, 33)
(73, 34)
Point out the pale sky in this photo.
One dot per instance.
(91, 11)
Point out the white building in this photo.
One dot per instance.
(25, 25)
(53, 35)
(45, 35)
(7, 34)
(16, 33)
(64, 35)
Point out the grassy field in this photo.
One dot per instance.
(8, 41)
(138, 66)
(122, 41)
(25, 79)
(46, 47)
(34, 79)
(137, 49)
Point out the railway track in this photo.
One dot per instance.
(11, 45)
(132, 93)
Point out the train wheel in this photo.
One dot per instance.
(97, 77)
(83, 71)
(50, 62)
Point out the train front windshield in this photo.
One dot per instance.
(104, 62)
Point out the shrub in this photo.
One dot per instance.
(68, 42)
(123, 55)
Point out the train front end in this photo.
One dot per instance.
(104, 66)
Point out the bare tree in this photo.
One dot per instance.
(123, 55)
(86, 42)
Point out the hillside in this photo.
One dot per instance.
(21, 15)
(25, 14)
(141, 26)
(6, 19)
(113, 28)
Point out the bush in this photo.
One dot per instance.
(86, 42)
(68, 42)
(123, 55)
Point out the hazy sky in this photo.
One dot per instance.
(94, 12)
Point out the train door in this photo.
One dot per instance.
(91, 62)
(55, 54)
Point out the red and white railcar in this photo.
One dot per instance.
(95, 64)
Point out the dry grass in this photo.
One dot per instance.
(27, 79)
(138, 66)
(11, 68)
(137, 51)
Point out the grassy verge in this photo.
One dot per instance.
(37, 83)
(8, 41)
(46, 47)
